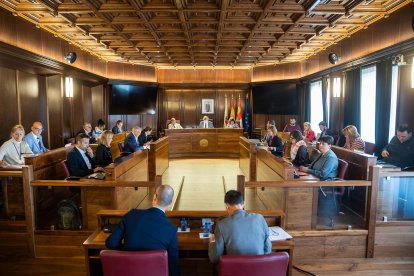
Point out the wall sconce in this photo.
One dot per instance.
(69, 87)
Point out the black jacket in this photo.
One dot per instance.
(302, 157)
(103, 155)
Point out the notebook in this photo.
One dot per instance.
(278, 234)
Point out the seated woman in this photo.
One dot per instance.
(232, 124)
(299, 151)
(268, 125)
(353, 139)
(12, 151)
(103, 151)
(97, 132)
(275, 142)
(326, 165)
(308, 133)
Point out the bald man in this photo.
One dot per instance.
(142, 230)
(34, 138)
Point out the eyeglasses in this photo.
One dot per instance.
(291, 138)
(39, 129)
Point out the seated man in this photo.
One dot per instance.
(143, 137)
(149, 229)
(400, 150)
(323, 126)
(173, 124)
(292, 126)
(118, 127)
(131, 143)
(205, 123)
(34, 138)
(81, 160)
(241, 233)
(326, 165)
(87, 129)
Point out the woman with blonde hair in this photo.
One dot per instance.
(353, 139)
(12, 151)
(103, 151)
(308, 133)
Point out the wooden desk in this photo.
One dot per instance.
(187, 242)
(204, 142)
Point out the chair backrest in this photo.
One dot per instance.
(274, 264)
(64, 168)
(121, 146)
(342, 168)
(135, 263)
(369, 148)
(314, 154)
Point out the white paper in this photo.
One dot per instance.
(278, 234)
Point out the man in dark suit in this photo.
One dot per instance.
(131, 143)
(141, 230)
(87, 129)
(325, 131)
(143, 137)
(118, 127)
(80, 159)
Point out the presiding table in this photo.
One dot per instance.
(204, 142)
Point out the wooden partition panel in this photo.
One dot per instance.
(9, 113)
(55, 109)
(247, 160)
(158, 160)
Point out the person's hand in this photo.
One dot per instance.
(3, 164)
(97, 169)
(89, 152)
(212, 239)
(303, 169)
(385, 153)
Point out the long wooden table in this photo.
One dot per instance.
(204, 142)
(188, 242)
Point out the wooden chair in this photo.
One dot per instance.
(135, 263)
(274, 264)
(369, 148)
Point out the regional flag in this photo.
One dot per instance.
(232, 108)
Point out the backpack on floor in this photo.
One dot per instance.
(69, 215)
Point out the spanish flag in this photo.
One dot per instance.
(239, 113)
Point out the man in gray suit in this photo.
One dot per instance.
(205, 123)
(241, 233)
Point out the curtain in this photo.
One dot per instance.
(307, 96)
(382, 108)
(324, 99)
(352, 108)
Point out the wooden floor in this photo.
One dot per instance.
(203, 189)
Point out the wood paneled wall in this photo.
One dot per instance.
(185, 104)
(395, 29)
(203, 76)
(22, 34)
(29, 97)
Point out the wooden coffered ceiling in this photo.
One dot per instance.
(179, 33)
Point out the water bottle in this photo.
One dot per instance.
(183, 224)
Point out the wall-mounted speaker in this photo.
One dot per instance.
(70, 57)
(333, 58)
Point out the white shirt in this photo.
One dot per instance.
(83, 153)
(12, 152)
